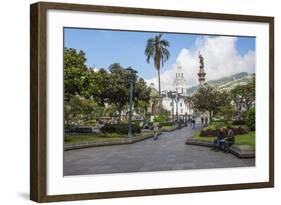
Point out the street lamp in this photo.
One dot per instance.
(177, 113)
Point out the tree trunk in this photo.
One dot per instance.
(119, 112)
(159, 86)
(211, 117)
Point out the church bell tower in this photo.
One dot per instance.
(180, 82)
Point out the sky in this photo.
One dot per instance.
(223, 55)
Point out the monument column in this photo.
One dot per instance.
(201, 74)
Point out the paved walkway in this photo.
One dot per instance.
(169, 152)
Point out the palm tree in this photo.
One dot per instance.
(157, 49)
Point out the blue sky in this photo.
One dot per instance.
(104, 47)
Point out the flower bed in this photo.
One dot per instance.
(213, 132)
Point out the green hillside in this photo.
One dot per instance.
(227, 82)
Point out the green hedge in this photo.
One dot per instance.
(121, 128)
(162, 124)
(251, 118)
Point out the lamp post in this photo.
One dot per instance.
(130, 104)
(177, 113)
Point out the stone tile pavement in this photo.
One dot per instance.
(169, 152)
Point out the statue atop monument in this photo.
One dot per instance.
(201, 60)
(201, 74)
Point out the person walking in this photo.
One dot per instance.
(155, 130)
(193, 123)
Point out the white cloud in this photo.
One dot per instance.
(221, 58)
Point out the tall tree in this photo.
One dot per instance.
(244, 95)
(74, 58)
(75, 72)
(112, 87)
(209, 99)
(80, 110)
(157, 49)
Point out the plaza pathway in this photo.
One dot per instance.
(169, 152)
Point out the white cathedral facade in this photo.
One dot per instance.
(175, 100)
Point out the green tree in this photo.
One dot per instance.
(141, 94)
(251, 118)
(244, 95)
(226, 112)
(98, 87)
(74, 59)
(75, 73)
(112, 87)
(157, 49)
(141, 108)
(209, 99)
(117, 91)
(78, 110)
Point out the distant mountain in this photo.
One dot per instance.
(227, 82)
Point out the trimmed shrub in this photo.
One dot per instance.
(238, 122)
(213, 132)
(108, 128)
(81, 130)
(251, 118)
(208, 132)
(121, 128)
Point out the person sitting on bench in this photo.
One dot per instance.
(219, 143)
(230, 139)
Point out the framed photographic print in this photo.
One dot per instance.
(135, 102)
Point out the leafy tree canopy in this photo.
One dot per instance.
(244, 94)
(209, 99)
(74, 59)
(75, 73)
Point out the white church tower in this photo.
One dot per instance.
(174, 100)
(180, 82)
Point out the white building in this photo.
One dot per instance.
(175, 100)
(180, 82)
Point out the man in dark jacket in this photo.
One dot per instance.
(230, 139)
(219, 143)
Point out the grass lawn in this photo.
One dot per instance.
(245, 139)
(88, 138)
